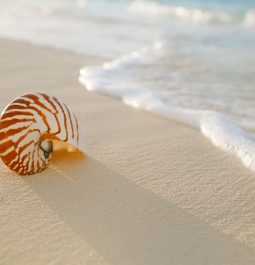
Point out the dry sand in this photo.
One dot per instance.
(150, 192)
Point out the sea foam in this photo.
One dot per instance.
(249, 19)
(196, 15)
(217, 127)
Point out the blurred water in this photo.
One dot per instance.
(206, 60)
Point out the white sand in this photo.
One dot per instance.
(151, 192)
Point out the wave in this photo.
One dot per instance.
(249, 18)
(218, 128)
(195, 15)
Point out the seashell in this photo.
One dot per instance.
(29, 128)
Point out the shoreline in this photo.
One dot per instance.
(151, 191)
(224, 132)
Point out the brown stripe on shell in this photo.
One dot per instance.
(15, 106)
(4, 124)
(70, 119)
(60, 105)
(77, 128)
(36, 100)
(21, 152)
(12, 131)
(16, 113)
(56, 111)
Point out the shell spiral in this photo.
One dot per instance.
(27, 127)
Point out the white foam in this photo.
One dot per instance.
(153, 8)
(249, 18)
(217, 127)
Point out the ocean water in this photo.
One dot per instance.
(192, 61)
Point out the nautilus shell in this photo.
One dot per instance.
(29, 126)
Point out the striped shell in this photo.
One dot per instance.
(28, 126)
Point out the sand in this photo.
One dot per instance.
(150, 191)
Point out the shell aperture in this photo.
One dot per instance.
(47, 148)
(28, 127)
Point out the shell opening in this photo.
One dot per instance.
(47, 147)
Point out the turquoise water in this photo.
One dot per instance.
(235, 6)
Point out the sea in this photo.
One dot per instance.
(191, 61)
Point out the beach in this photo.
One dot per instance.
(149, 190)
